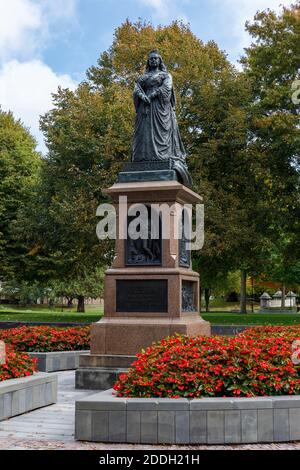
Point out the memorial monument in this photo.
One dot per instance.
(151, 290)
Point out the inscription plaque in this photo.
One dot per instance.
(142, 296)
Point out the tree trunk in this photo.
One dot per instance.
(283, 296)
(243, 301)
(80, 306)
(206, 296)
(70, 302)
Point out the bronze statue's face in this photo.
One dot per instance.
(154, 60)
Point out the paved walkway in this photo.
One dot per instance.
(52, 427)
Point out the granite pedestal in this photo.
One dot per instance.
(146, 299)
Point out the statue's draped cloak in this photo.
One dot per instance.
(156, 135)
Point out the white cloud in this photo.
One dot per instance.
(59, 8)
(25, 89)
(26, 82)
(239, 11)
(167, 10)
(25, 24)
(19, 19)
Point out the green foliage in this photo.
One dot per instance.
(87, 285)
(271, 66)
(24, 292)
(19, 166)
(241, 132)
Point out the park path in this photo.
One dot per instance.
(52, 427)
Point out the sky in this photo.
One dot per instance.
(49, 43)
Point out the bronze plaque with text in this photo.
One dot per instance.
(142, 296)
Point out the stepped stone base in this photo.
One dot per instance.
(116, 336)
(100, 372)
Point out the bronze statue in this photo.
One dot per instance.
(156, 133)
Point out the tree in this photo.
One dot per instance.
(89, 131)
(271, 67)
(230, 154)
(89, 285)
(212, 99)
(19, 171)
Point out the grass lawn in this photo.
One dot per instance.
(94, 312)
(220, 305)
(42, 313)
(227, 318)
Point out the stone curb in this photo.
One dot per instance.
(103, 417)
(18, 396)
(57, 360)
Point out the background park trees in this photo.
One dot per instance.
(241, 132)
(19, 167)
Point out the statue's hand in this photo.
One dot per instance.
(153, 95)
(146, 99)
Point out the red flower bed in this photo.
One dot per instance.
(255, 363)
(17, 365)
(289, 333)
(46, 338)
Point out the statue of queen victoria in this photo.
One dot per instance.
(156, 133)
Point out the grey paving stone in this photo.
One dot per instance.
(36, 396)
(96, 378)
(211, 404)
(149, 425)
(48, 364)
(166, 427)
(7, 404)
(253, 403)
(249, 425)
(265, 426)
(57, 363)
(19, 402)
(71, 362)
(182, 427)
(42, 363)
(101, 402)
(198, 427)
(117, 426)
(29, 398)
(133, 427)
(294, 418)
(215, 427)
(15, 403)
(54, 388)
(83, 425)
(100, 426)
(173, 404)
(233, 429)
(48, 392)
(287, 401)
(1, 407)
(281, 425)
(142, 404)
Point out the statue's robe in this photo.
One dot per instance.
(156, 134)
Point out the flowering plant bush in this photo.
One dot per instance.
(255, 363)
(46, 338)
(17, 365)
(289, 333)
